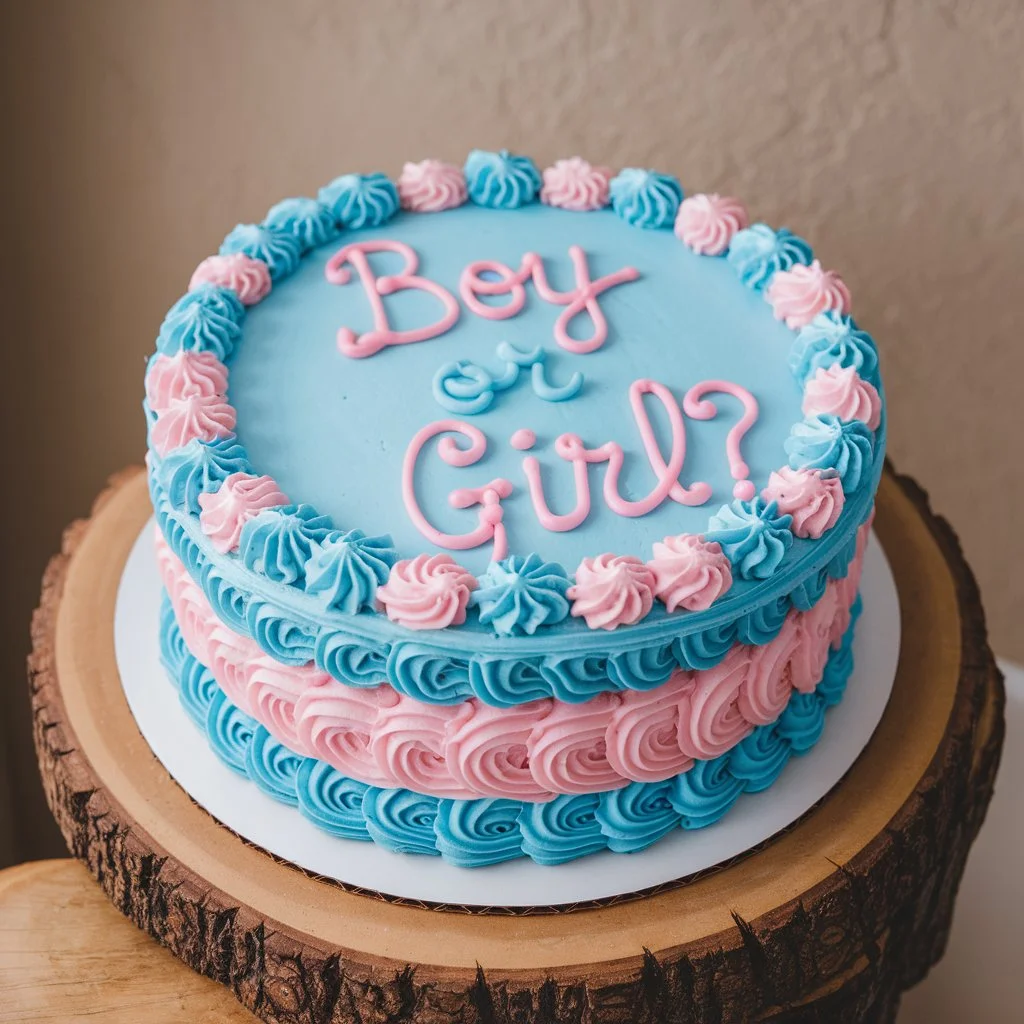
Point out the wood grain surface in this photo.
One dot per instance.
(67, 955)
(829, 922)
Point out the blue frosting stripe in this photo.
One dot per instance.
(764, 623)
(758, 759)
(501, 180)
(229, 731)
(172, 644)
(562, 829)
(643, 668)
(348, 659)
(272, 766)
(503, 683)
(803, 721)
(206, 319)
(474, 833)
(196, 691)
(282, 638)
(308, 220)
(330, 800)
(360, 200)
(705, 793)
(634, 817)
(427, 674)
(401, 820)
(281, 250)
(227, 601)
(646, 199)
(705, 649)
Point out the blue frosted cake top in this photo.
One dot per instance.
(389, 414)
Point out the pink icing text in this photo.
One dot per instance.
(383, 335)
(570, 447)
(583, 298)
(488, 497)
(700, 408)
(472, 284)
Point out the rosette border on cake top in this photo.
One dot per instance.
(210, 321)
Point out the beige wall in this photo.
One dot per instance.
(889, 133)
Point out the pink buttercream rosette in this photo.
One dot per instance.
(642, 738)
(184, 375)
(711, 719)
(248, 278)
(430, 186)
(568, 751)
(198, 417)
(689, 572)
(240, 498)
(489, 748)
(841, 391)
(612, 591)
(769, 683)
(814, 500)
(574, 184)
(335, 723)
(409, 746)
(427, 592)
(801, 293)
(706, 223)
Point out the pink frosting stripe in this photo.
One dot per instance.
(248, 278)
(430, 186)
(529, 752)
(574, 184)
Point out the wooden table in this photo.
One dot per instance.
(67, 955)
(831, 921)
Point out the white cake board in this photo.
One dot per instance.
(239, 804)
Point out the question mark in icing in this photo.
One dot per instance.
(696, 406)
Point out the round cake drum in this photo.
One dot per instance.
(284, 832)
(828, 920)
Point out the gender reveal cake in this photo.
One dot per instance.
(507, 512)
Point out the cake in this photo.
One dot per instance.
(505, 513)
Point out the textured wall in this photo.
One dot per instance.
(889, 133)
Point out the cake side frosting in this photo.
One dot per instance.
(535, 750)
(482, 831)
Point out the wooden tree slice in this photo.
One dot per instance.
(830, 921)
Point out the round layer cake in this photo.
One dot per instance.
(506, 513)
